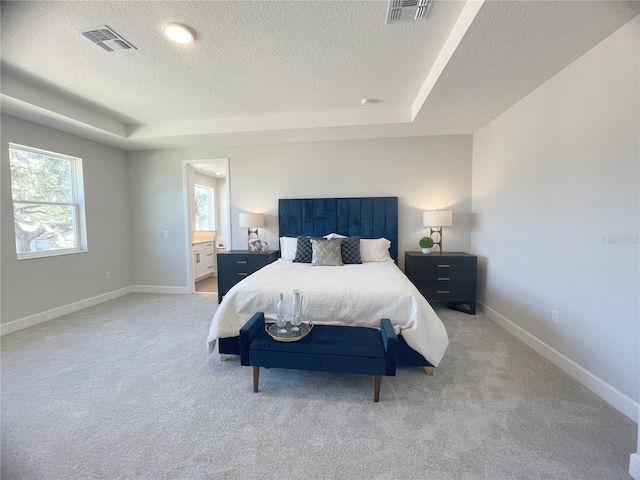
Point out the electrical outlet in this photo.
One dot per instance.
(107, 274)
(555, 317)
(166, 233)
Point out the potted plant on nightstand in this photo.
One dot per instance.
(426, 244)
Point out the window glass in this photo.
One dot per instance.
(37, 177)
(204, 208)
(46, 188)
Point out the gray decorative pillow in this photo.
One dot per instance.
(351, 250)
(303, 252)
(326, 252)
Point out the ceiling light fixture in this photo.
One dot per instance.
(366, 102)
(178, 33)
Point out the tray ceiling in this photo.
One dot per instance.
(285, 71)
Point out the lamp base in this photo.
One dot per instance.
(254, 245)
(437, 244)
(253, 242)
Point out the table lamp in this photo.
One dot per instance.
(252, 221)
(436, 219)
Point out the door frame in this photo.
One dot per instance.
(187, 183)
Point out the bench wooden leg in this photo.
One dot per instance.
(429, 371)
(256, 378)
(223, 357)
(376, 389)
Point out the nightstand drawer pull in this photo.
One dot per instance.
(443, 291)
(242, 274)
(241, 261)
(444, 278)
(444, 266)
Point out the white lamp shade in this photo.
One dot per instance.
(249, 220)
(437, 218)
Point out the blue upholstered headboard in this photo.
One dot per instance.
(368, 217)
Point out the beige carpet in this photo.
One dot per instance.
(126, 390)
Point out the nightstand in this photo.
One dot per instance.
(235, 265)
(444, 277)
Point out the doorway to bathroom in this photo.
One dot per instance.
(206, 193)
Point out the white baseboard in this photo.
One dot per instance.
(607, 392)
(160, 289)
(42, 317)
(634, 466)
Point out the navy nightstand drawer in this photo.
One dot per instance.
(248, 261)
(448, 277)
(237, 265)
(447, 292)
(227, 278)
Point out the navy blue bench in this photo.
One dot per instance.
(327, 348)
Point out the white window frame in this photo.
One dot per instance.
(212, 213)
(77, 204)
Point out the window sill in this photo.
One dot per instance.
(49, 253)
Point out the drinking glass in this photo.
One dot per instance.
(296, 314)
(296, 321)
(281, 324)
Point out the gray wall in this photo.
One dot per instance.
(40, 284)
(424, 172)
(556, 211)
(222, 211)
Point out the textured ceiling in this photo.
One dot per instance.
(511, 49)
(286, 71)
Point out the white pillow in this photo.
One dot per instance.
(331, 236)
(288, 248)
(375, 250)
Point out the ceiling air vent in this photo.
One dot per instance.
(108, 39)
(407, 10)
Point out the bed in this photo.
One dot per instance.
(352, 294)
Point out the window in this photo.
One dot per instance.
(48, 202)
(205, 213)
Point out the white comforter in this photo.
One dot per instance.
(346, 295)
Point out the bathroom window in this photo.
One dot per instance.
(205, 218)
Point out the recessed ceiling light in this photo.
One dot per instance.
(366, 102)
(178, 33)
(218, 173)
